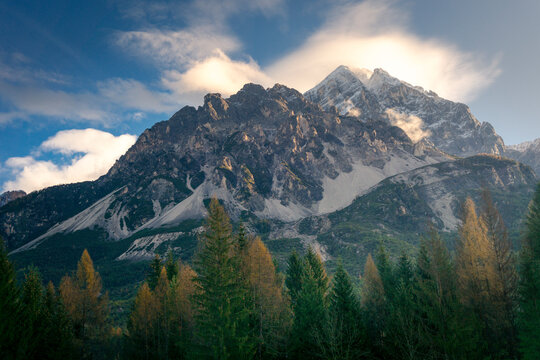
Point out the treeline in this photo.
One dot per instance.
(477, 301)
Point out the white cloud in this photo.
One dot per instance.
(372, 35)
(92, 154)
(411, 124)
(217, 73)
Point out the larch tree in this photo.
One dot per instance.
(141, 335)
(475, 264)
(529, 286)
(504, 290)
(373, 301)
(86, 305)
(271, 312)
(221, 297)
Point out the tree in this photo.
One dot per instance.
(346, 332)
(86, 305)
(313, 260)
(504, 288)
(141, 326)
(155, 270)
(271, 309)
(59, 335)
(221, 296)
(529, 287)
(445, 330)
(171, 265)
(295, 273)
(10, 307)
(374, 304)
(308, 333)
(475, 264)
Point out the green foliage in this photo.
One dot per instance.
(221, 297)
(530, 283)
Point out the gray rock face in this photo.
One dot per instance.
(10, 196)
(266, 152)
(450, 126)
(527, 153)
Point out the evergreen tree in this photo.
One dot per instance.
(10, 307)
(171, 265)
(308, 333)
(346, 332)
(446, 331)
(59, 336)
(33, 323)
(313, 260)
(155, 270)
(529, 287)
(221, 297)
(295, 273)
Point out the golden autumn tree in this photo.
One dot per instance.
(475, 262)
(271, 306)
(141, 325)
(85, 303)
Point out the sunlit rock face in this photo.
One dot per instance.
(376, 95)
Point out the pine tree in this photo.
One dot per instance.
(59, 336)
(308, 333)
(446, 331)
(33, 325)
(221, 297)
(529, 287)
(10, 307)
(155, 270)
(504, 289)
(86, 305)
(295, 273)
(313, 260)
(171, 265)
(346, 333)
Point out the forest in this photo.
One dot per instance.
(475, 299)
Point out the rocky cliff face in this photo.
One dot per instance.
(10, 196)
(270, 153)
(527, 153)
(450, 126)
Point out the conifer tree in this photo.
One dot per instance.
(271, 313)
(140, 342)
(86, 305)
(346, 332)
(59, 335)
(221, 297)
(374, 304)
(313, 260)
(446, 330)
(308, 333)
(155, 270)
(504, 289)
(529, 287)
(171, 265)
(33, 324)
(10, 307)
(295, 273)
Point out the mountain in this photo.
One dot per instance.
(10, 196)
(376, 95)
(527, 152)
(269, 153)
(293, 172)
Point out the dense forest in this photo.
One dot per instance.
(477, 299)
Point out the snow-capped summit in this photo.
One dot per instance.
(376, 95)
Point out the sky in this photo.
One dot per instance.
(80, 80)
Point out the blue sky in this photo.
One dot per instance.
(79, 80)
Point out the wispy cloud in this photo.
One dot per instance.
(92, 152)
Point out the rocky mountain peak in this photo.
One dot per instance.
(10, 196)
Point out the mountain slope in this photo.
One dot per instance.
(269, 153)
(527, 152)
(450, 126)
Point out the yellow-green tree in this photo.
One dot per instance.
(271, 307)
(373, 301)
(141, 325)
(86, 304)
